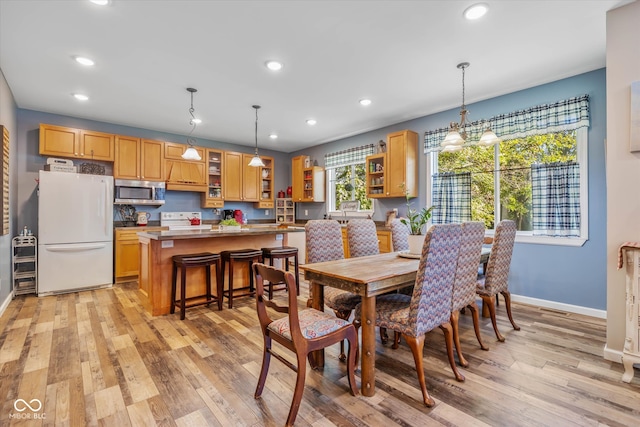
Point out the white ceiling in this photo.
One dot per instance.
(401, 54)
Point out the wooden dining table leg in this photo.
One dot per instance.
(317, 291)
(368, 359)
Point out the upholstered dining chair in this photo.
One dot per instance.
(399, 235)
(300, 331)
(324, 243)
(495, 280)
(464, 286)
(430, 305)
(362, 237)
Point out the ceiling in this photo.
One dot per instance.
(400, 54)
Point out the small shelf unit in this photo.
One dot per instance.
(24, 254)
(285, 211)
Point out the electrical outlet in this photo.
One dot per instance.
(306, 212)
(266, 212)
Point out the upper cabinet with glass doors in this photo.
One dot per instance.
(213, 197)
(392, 173)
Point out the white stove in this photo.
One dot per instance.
(182, 221)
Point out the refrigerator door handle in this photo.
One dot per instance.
(74, 247)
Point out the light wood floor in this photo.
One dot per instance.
(96, 358)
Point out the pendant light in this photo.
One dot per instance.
(457, 135)
(191, 153)
(256, 161)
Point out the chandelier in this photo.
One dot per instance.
(459, 132)
(256, 161)
(191, 153)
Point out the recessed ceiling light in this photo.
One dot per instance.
(100, 2)
(365, 101)
(84, 61)
(80, 97)
(274, 65)
(273, 136)
(475, 11)
(196, 121)
(311, 122)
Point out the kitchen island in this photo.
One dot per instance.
(157, 248)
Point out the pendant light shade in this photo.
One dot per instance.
(457, 135)
(256, 161)
(191, 153)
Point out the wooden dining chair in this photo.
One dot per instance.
(399, 235)
(324, 243)
(496, 278)
(362, 238)
(430, 305)
(464, 286)
(302, 332)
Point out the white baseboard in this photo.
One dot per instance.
(6, 302)
(612, 355)
(569, 308)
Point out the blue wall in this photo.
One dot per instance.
(569, 275)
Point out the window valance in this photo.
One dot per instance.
(568, 114)
(348, 157)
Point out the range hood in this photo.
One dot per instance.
(186, 176)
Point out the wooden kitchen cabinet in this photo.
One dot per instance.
(384, 241)
(60, 141)
(387, 172)
(173, 150)
(127, 253)
(307, 182)
(266, 184)
(214, 196)
(138, 159)
(241, 181)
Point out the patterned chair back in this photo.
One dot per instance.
(324, 240)
(497, 274)
(464, 287)
(399, 236)
(363, 238)
(431, 301)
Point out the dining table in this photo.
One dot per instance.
(368, 277)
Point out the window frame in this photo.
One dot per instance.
(582, 157)
(333, 210)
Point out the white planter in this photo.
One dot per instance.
(416, 241)
(229, 228)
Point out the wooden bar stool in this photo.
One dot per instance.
(242, 255)
(206, 260)
(284, 253)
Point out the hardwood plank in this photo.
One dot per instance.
(109, 401)
(13, 344)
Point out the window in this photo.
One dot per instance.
(346, 178)
(536, 177)
(348, 183)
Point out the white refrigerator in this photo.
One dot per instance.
(75, 232)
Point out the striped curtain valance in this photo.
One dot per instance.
(568, 114)
(348, 157)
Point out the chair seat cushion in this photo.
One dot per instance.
(480, 288)
(392, 312)
(313, 324)
(340, 300)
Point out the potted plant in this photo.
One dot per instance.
(415, 221)
(229, 225)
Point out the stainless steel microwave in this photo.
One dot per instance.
(130, 192)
